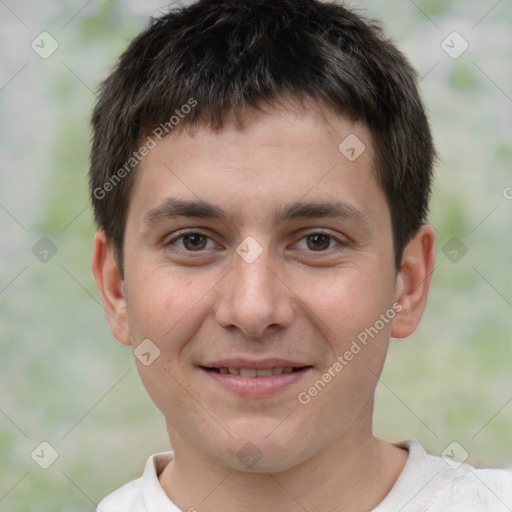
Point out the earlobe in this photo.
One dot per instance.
(413, 281)
(111, 287)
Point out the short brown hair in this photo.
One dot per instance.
(223, 57)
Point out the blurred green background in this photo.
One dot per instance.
(66, 381)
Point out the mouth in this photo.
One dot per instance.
(253, 373)
(250, 379)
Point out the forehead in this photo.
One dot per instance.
(287, 126)
(267, 165)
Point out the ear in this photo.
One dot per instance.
(413, 281)
(111, 287)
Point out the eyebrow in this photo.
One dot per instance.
(171, 208)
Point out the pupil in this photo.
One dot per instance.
(194, 241)
(318, 242)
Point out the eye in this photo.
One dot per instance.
(192, 242)
(317, 242)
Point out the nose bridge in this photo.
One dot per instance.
(252, 279)
(252, 298)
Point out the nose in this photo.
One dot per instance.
(252, 298)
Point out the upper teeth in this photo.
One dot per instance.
(251, 372)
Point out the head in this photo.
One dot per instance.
(260, 174)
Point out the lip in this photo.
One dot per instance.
(253, 363)
(255, 386)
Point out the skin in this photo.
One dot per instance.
(294, 301)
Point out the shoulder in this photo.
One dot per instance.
(142, 494)
(429, 483)
(479, 490)
(123, 499)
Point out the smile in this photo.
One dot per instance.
(255, 382)
(254, 373)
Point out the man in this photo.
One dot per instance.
(260, 175)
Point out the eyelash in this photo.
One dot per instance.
(339, 243)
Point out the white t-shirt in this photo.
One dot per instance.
(426, 483)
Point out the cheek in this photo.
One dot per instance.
(346, 310)
(344, 302)
(165, 308)
(166, 303)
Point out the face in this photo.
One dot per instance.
(255, 262)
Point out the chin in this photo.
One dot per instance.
(261, 452)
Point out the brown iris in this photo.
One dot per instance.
(194, 242)
(318, 242)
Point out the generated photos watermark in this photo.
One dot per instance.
(305, 397)
(158, 134)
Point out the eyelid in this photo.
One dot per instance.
(184, 232)
(341, 240)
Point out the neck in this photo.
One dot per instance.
(353, 473)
